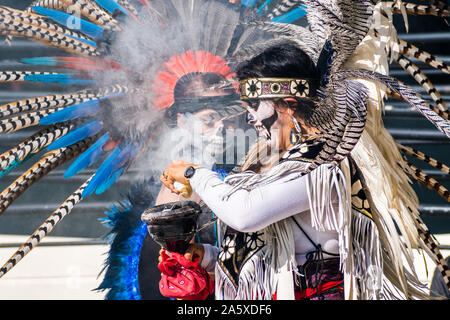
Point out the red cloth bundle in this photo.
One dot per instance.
(182, 278)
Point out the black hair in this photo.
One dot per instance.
(284, 60)
(279, 61)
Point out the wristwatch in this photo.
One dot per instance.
(189, 172)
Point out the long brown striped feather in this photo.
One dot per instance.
(26, 18)
(419, 9)
(87, 8)
(50, 161)
(443, 114)
(428, 181)
(45, 228)
(50, 101)
(423, 157)
(404, 91)
(34, 144)
(56, 100)
(93, 12)
(90, 10)
(50, 4)
(48, 37)
(421, 55)
(19, 76)
(432, 247)
(24, 121)
(127, 5)
(423, 80)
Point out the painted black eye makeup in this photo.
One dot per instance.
(254, 104)
(268, 122)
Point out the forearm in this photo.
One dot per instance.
(250, 211)
(210, 257)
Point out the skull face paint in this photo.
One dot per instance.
(205, 131)
(262, 117)
(213, 140)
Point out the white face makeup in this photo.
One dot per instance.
(212, 131)
(264, 118)
(205, 131)
(213, 140)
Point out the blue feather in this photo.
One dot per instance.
(105, 4)
(101, 174)
(72, 22)
(124, 158)
(128, 232)
(291, 16)
(88, 157)
(263, 7)
(105, 172)
(62, 78)
(110, 181)
(248, 3)
(73, 112)
(111, 6)
(126, 238)
(79, 134)
(41, 61)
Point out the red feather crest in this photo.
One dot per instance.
(181, 65)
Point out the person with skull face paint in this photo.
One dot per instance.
(200, 128)
(252, 214)
(299, 223)
(317, 209)
(198, 113)
(196, 103)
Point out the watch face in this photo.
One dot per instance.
(189, 172)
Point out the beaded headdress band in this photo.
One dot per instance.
(270, 88)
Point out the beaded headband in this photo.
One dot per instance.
(269, 88)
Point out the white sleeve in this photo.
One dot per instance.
(210, 257)
(250, 211)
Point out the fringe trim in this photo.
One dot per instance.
(367, 256)
(324, 216)
(279, 240)
(225, 289)
(255, 281)
(248, 180)
(260, 277)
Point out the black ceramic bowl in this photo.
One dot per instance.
(173, 225)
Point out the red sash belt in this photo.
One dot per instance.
(308, 293)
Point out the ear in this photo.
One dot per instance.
(285, 107)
